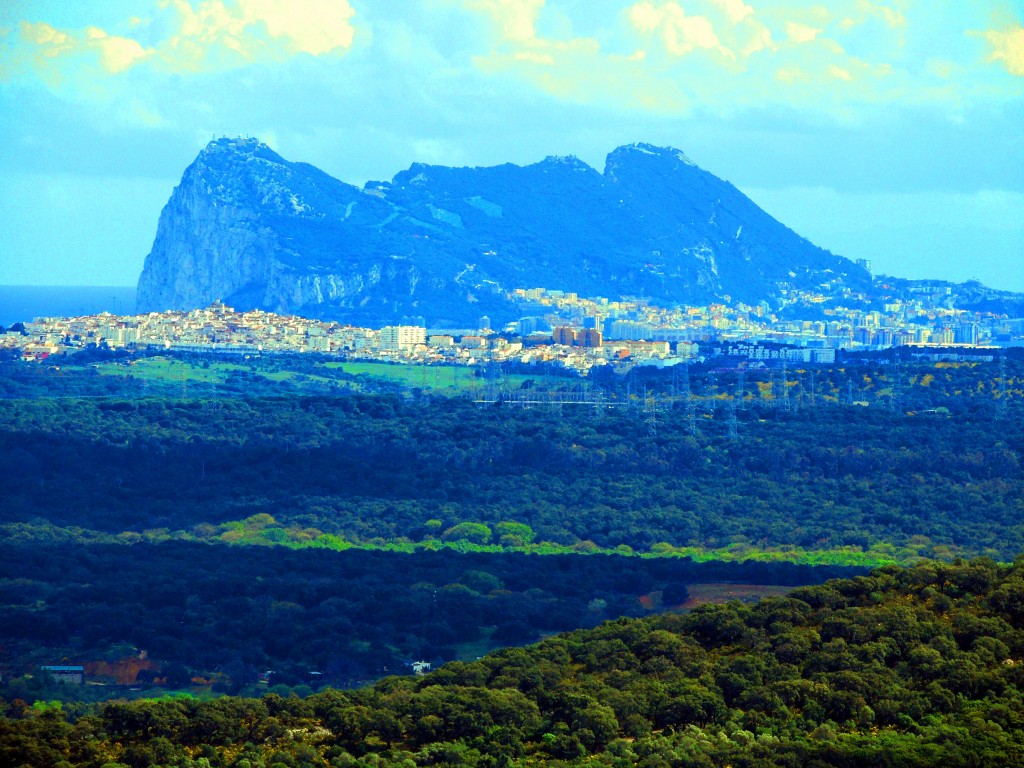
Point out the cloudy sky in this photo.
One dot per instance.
(889, 130)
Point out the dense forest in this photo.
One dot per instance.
(745, 476)
(285, 524)
(901, 379)
(902, 667)
(223, 615)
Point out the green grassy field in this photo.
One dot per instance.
(452, 380)
(444, 380)
(171, 369)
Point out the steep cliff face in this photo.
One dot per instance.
(256, 231)
(227, 230)
(206, 245)
(250, 228)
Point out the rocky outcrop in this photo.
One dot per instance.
(445, 244)
(217, 237)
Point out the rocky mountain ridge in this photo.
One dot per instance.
(447, 244)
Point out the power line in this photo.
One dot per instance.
(1003, 392)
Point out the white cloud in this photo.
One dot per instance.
(720, 54)
(839, 73)
(801, 33)
(219, 34)
(736, 10)
(1007, 47)
(515, 20)
(202, 36)
(315, 27)
(679, 32)
(37, 49)
(792, 75)
(760, 38)
(662, 56)
(116, 53)
(535, 57)
(865, 10)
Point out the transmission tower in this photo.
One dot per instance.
(897, 381)
(711, 394)
(684, 383)
(556, 401)
(687, 395)
(492, 382)
(651, 413)
(785, 386)
(734, 431)
(634, 398)
(1003, 392)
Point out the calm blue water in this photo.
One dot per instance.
(27, 302)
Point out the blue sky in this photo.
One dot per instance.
(881, 129)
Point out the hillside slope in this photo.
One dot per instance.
(899, 668)
(446, 244)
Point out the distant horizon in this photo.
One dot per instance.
(67, 285)
(24, 303)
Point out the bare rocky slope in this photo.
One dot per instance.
(446, 244)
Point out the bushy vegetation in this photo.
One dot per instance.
(313, 617)
(903, 667)
(288, 515)
(842, 484)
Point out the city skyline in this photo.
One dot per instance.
(555, 327)
(886, 131)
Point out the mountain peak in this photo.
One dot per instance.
(570, 162)
(239, 148)
(448, 244)
(644, 154)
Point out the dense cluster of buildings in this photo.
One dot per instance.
(557, 327)
(220, 329)
(926, 319)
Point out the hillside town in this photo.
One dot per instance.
(557, 327)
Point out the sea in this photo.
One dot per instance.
(24, 303)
